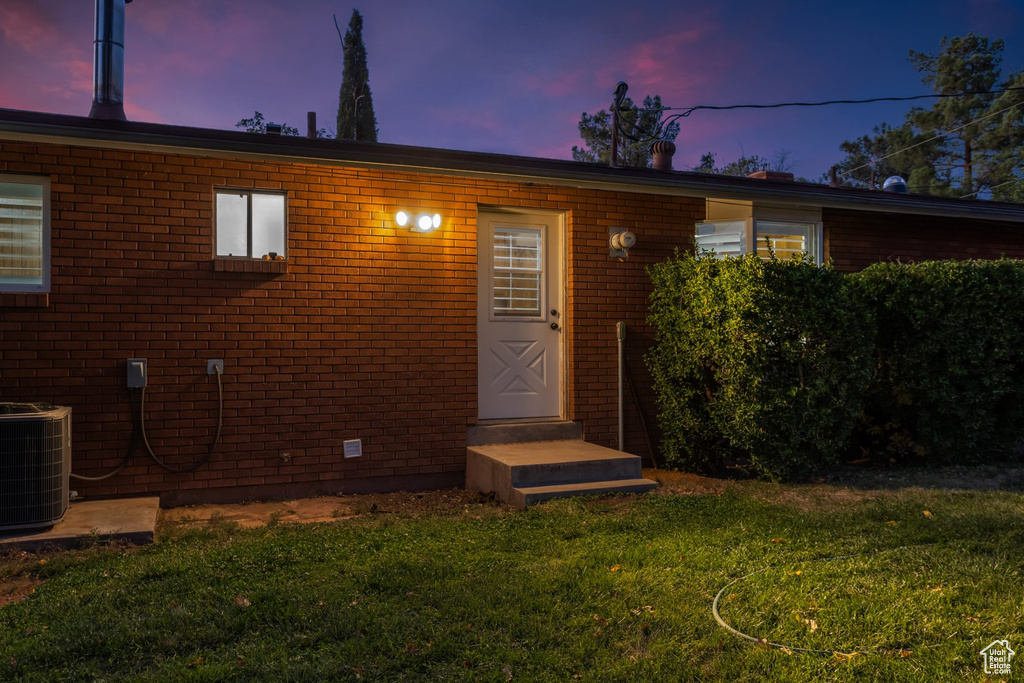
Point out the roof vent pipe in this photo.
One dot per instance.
(311, 124)
(108, 61)
(662, 152)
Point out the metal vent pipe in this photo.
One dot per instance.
(108, 61)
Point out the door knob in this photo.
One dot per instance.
(554, 311)
(554, 326)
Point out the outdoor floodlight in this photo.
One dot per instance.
(423, 222)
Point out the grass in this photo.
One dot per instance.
(593, 590)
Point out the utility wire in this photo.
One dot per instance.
(1014, 180)
(931, 139)
(686, 111)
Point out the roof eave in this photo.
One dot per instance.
(79, 131)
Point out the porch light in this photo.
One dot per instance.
(423, 222)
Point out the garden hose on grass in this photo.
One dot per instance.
(764, 642)
(139, 428)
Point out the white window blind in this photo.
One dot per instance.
(517, 272)
(723, 238)
(786, 240)
(23, 257)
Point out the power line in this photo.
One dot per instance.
(686, 111)
(931, 139)
(1013, 180)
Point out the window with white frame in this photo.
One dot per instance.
(24, 234)
(723, 238)
(250, 223)
(785, 240)
(735, 228)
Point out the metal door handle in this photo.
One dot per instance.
(554, 311)
(554, 326)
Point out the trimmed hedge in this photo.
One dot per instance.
(948, 382)
(793, 367)
(766, 360)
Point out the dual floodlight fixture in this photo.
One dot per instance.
(423, 222)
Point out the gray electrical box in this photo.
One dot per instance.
(138, 373)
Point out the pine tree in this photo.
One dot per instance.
(968, 144)
(642, 123)
(356, 120)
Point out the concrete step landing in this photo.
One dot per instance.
(527, 473)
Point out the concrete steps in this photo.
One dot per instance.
(526, 472)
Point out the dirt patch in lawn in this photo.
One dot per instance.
(672, 483)
(327, 509)
(16, 589)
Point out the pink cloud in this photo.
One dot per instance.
(668, 60)
(201, 37)
(26, 26)
(136, 113)
(670, 63)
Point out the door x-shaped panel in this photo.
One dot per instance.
(518, 368)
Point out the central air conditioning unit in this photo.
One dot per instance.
(35, 461)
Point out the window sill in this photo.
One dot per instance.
(24, 299)
(247, 265)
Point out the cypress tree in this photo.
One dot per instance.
(356, 120)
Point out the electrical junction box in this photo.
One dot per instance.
(353, 448)
(138, 373)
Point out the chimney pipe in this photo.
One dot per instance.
(311, 124)
(108, 61)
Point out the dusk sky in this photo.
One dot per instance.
(510, 77)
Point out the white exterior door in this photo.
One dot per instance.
(519, 315)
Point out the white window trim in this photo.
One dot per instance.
(248, 192)
(44, 181)
(817, 253)
(753, 212)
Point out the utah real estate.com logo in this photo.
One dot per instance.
(997, 657)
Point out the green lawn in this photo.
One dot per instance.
(595, 590)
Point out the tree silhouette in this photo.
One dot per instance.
(356, 120)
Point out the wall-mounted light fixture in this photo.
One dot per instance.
(423, 222)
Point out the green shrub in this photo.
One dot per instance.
(949, 379)
(761, 359)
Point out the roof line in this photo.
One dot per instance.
(81, 131)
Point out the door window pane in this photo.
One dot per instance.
(517, 272)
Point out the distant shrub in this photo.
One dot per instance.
(948, 384)
(764, 360)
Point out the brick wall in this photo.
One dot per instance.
(856, 239)
(369, 334)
